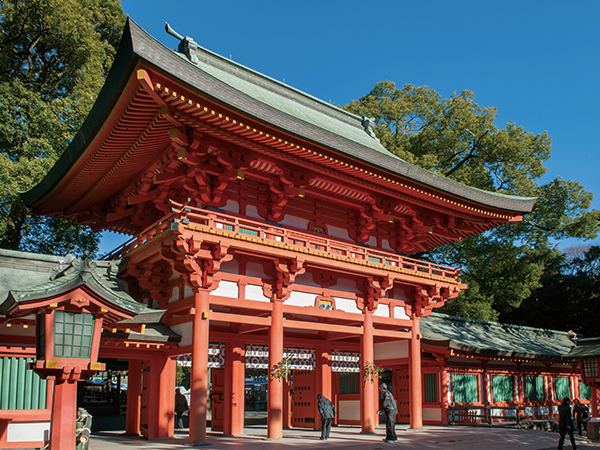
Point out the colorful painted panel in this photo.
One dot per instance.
(345, 362)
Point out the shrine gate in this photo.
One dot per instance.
(261, 215)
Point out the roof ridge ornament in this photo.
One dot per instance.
(85, 265)
(369, 125)
(187, 45)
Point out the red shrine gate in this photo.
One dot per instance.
(260, 215)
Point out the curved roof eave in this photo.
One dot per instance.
(137, 45)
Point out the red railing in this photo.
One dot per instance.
(217, 222)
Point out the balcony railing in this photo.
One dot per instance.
(247, 229)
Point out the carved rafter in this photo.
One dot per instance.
(154, 277)
(373, 289)
(283, 274)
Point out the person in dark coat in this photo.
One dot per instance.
(390, 409)
(581, 414)
(181, 406)
(327, 411)
(565, 423)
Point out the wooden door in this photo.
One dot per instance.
(304, 399)
(217, 395)
(403, 395)
(145, 399)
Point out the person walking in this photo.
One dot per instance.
(391, 409)
(581, 414)
(181, 406)
(565, 423)
(327, 411)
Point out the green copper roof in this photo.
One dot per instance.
(586, 348)
(27, 276)
(260, 97)
(492, 338)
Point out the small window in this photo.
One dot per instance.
(585, 392)
(73, 334)
(350, 383)
(431, 393)
(464, 388)
(562, 387)
(534, 388)
(503, 388)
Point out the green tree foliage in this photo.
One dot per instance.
(458, 139)
(568, 297)
(54, 57)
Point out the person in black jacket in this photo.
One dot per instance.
(581, 413)
(565, 423)
(181, 406)
(327, 411)
(390, 409)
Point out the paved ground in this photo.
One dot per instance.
(431, 437)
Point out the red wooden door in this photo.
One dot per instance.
(304, 399)
(145, 398)
(403, 395)
(217, 404)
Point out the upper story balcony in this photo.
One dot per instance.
(237, 228)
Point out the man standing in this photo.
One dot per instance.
(581, 414)
(390, 409)
(565, 423)
(327, 411)
(181, 406)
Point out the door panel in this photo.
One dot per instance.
(217, 403)
(145, 398)
(304, 399)
(403, 396)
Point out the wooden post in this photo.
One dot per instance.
(416, 388)
(234, 388)
(64, 416)
(134, 390)
(367, 403)
(275, 393)
(199, 381)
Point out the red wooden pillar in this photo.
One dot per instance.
(323, 379)
(161, 405)
(234, 388)
(367, 400)
(594, 400)
(199, 381)
(134, 390)
(444, 392)
(64, 415)
(287, 405)
(416, 386)
(275, 392)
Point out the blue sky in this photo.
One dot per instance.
(537, 62)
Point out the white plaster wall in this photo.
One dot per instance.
(346, 304)
(382, 310)
(254, 292)
(349, 410)
(232, 206)
(187, 291)
(255, 270)
(301, 299)
(295, 221)
(230, 267)
(372, 241)
(227, 289)
(400, 313)
(28, 432)
(252, 211)
(186, 331)
(386, 244)
(432, 414)
(175, 295)
(337, 232)
(390, 350)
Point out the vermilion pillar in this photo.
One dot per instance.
(199, 381)
(594, 401)
(64, 415)
(234, 388)
(323, 378)
(275, 393)
(416, 389)
(367, 403)
(134, 390)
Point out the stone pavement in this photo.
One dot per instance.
(431, 437)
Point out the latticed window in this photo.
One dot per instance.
(350, 383)
(431, 393)
(534, 388)
(503, 388)
(20, 387)
(585, 392)
(464, 388)
(562, 387)
(73, 334)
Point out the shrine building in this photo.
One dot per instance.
(265, 224)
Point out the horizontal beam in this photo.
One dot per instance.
(321, 326)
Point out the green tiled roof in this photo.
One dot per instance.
(492, 338)
(28, 276)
